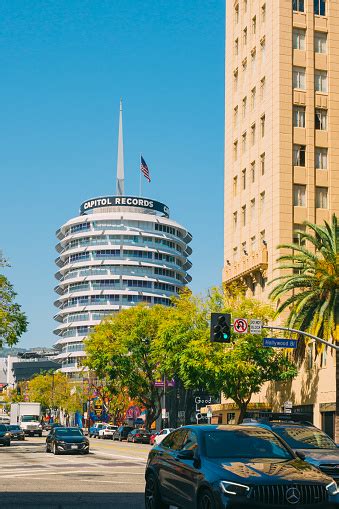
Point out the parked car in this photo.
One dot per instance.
(94, 430)
(140, 436)
(16, 432)
(107, 431)
(62, 439)
(5, 436)
(309, 442)
(122, 432)
(153, 435)
(211, 466)
(162, 434)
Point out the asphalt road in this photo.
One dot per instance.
(111, 476)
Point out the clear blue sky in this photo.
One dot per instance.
(64, 66)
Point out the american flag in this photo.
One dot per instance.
(144, 168)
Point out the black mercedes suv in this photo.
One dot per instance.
(219, 467)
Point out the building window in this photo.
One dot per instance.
(299, 155)
(244, 65)
(262, 87)
(321, 119)
(321, 158)
(235, 150)
(244, 142)
(243, 177)
(299, 116)
(253, 172)
(299, 38)
(320, 42)
(299, 78)
(321, 197)
(253, 59)
(253, 134)
(298, 5)
(263, 237)
(263, 13)
(262, 164)
(299, 195)
(236, 14)
(252, 209)
(235, 186)
(262, 125)
(320, 81)
(262, 203)
(235, 220)
(244, 106)
(235, 79)
(236, 47)
(235, 253)
(297, 230)
(253, 244)
(254, 25)
(235, 116)
(320, 7)
(253, 94)
(263, 49)
(243, 215)
(244, 36)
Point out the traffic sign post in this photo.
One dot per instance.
(255, 326)
(280, 343)
(240, 325)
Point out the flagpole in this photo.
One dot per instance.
(140, 181)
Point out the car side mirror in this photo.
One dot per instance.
(187, 454)
(300, 455)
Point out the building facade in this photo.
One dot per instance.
(118, 252)
(281, 153)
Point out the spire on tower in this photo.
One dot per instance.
(120, 163)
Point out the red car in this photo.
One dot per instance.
(154, 434)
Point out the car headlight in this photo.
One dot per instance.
(7, 434)
(332, 488)
(233, 488)
(60, 442)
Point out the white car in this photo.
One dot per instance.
(163, 433)
(107, 431)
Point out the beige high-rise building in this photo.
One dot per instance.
(282, 140)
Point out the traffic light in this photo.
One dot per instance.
(220, 327)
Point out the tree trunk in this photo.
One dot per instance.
(336, 422)
(243, 409)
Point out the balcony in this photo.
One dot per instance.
(257, 261)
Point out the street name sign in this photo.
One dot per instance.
(240, 325)
(255, 326)
(280, 343)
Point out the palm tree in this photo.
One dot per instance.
(309, 286)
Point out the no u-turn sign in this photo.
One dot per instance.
(240, 325)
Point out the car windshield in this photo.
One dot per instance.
(68, 432)
(29, 418)
(3, 427)
(244, 444)
(13, 427)
(302, 437)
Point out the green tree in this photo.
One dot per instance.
(56, 391)
(121, 351)
(239, 369)
(308, 289)
(13, 322)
